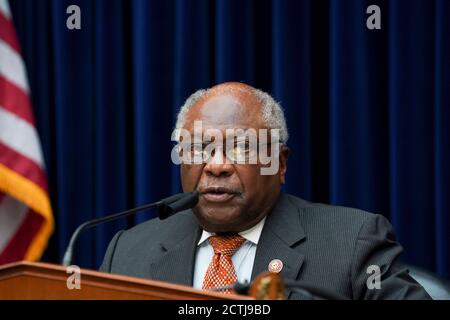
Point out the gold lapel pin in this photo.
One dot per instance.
(275, 266)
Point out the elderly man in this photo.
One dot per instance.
(243, 225)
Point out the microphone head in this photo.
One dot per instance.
(241, 288)
(177, 203)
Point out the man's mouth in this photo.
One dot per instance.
(217, 194)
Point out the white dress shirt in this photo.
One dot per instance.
(242, 259)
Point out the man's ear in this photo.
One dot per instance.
(284, 154)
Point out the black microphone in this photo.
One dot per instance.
(309, 291)
(166, 207)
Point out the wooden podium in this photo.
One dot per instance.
(34, 280)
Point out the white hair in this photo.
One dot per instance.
(271, 111)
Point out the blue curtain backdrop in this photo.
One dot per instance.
(368, 110)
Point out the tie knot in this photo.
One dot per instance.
(226, 245)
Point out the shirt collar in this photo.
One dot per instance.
(253, 234)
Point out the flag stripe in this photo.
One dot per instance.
(20, 136)
(4, 8)
(12, 215)
(15, 100)
(7, 33)
(20, 243)
(22, 165)
(12, 66)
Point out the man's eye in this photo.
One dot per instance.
(197, 148)
(237, 152)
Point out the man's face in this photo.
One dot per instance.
(233, 197)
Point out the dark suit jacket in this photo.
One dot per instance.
(326, 246)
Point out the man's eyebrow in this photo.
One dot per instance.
(242, 132)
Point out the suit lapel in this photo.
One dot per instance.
(176, 264)
(282, 231)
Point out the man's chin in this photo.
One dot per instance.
(219, 220)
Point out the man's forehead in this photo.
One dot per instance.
(225, 111)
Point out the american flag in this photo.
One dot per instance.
(26, 220)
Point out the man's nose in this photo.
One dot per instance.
(219, 166)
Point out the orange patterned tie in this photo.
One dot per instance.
(221, 270)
